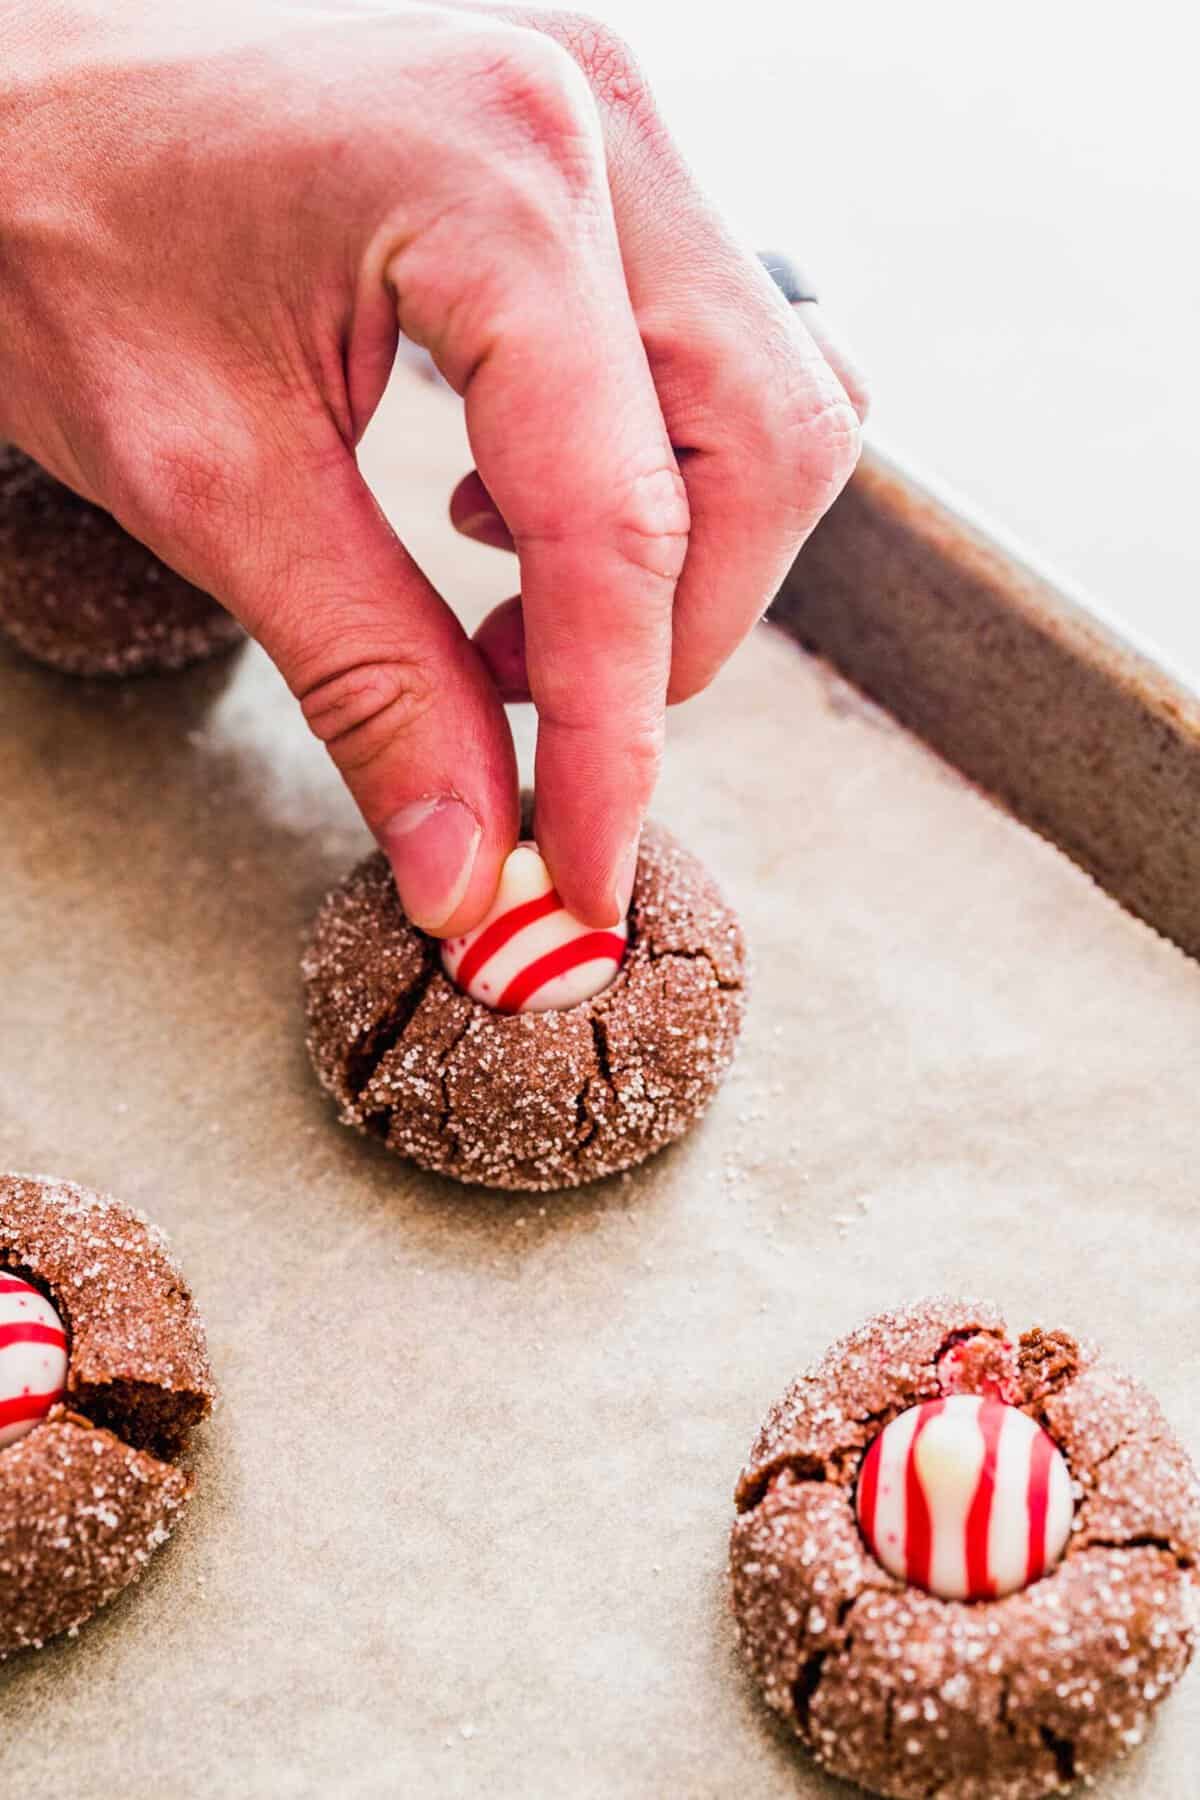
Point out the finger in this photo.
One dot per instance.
(836, 353)
(474, 513)
(570, 441)
(766, 433)
(388, 681)
(500, 641)
(769, 438)
(798, 289)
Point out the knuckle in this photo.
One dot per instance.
(807, 441)
(359, 712)
(637, 750)
(790, 431)
(606, 59)
(645, 530)
(534, 93)
(824, 442)
(640, 759)
(174, 487)
(652, 524)
(644, 752)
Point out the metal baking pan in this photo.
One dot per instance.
(461, 1518)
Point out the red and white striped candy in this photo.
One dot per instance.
(33, 1357)
(965, 1497)
(530, 954)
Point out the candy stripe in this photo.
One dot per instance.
(918, 1520)
(592, 947)
(516, 960)
(28, 1333)
(501, 931)
(868, 1489)
(1037, 1502)
(966, 1497)
(979, 1519)
(27, 1406)
(33, 1358)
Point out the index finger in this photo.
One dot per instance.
(584, 475)
(568, 436)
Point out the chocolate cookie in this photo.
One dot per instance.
(91, 1489)
(1009, 1695)
(77, 592)
(535, 1100)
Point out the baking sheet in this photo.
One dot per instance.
(1014, 682)
(461, 1518)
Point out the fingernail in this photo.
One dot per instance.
(482, 525)
(432, 846)
(626, 876)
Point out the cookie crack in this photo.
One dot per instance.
(884, 1415)
(800, 1467)
(963, 1334)
(655, 955)
(144, 1416)
(586, 1126)
(370, 1048)
(1143, 1540)
(443, 1073)
(1004, 1716)
(587, 1123)
(164, 1449)
(1062, 1749)
(1121, 1443)
(1109, 1454)
(141, 1413)
(603, 1062)
(841, 1464)
(839, 1467)
(805, 1686)
(1049, 1363)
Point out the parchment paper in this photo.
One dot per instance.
(461, 1519)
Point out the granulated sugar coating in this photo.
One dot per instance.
(77, 592)
(530, 1100)
(1007, 1699)
(90, 1492)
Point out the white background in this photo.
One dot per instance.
(1000, 207)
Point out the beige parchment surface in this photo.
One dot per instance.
(461, 1517)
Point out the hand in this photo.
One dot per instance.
(215, 223)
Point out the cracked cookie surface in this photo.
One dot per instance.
(77, 592)
(913, 1696)
(532, 1101)
(93, 1490)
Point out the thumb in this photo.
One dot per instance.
(390, 683)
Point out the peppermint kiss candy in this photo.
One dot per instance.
(965, 1497)
(530, 954)
(33, 1357)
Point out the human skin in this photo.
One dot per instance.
(214, 224)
